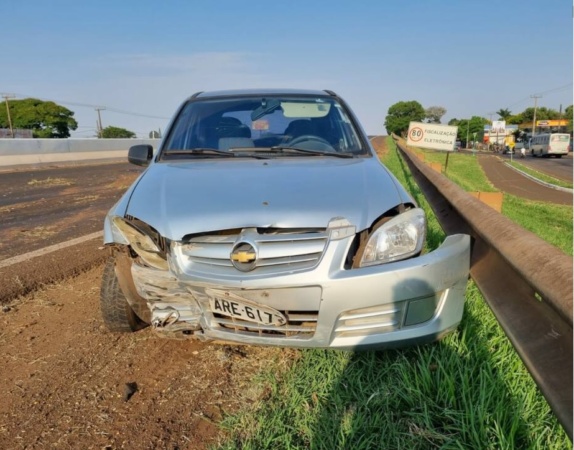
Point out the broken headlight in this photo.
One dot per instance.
(142, 244)
(398, 238)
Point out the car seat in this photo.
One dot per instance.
(233, 133)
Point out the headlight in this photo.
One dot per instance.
(142, 244)
(399, 238)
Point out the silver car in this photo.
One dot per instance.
(266, 218)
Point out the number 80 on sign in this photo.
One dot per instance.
(416, 134)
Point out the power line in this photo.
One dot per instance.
(566, 86)
(557, 89)
(541, 94)
(87, 105)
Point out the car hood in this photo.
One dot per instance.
(182, 198)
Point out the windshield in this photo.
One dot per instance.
(261, 126)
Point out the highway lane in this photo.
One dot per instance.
(47, 206)
(560, 168)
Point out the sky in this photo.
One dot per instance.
(139, 60)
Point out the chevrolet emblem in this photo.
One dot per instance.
(243, 256)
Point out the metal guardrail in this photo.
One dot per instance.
(527, 283)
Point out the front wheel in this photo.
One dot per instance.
(117, 313)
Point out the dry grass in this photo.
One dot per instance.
(86, 199)
(51, 182)
(40, 232)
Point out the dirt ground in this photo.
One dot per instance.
(379, 143)
(68, 383)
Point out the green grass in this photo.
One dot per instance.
(463, 169)
(541, 176)
(553, 223)
(468, 391)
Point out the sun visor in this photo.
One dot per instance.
(298, 109)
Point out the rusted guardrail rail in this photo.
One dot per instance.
(527, 283)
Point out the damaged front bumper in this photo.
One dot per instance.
(390, 305)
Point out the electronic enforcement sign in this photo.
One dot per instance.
(427, 135)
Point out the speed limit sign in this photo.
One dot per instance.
(416, 134)
(432, 135)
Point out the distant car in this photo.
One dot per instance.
(265, 217)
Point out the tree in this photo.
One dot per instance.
(568, 116)
(401, 114)
(434, 114)
(470, 126)
(116, 132)
(45, 119)
(516, 119)
(504, 113)
(542, 113)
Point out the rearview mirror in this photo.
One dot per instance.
(267, 107)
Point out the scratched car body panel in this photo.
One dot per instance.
(265, 218)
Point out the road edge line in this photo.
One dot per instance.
(46, 250)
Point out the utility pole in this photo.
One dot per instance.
(6, 97)
(535, 97)
(100, 129)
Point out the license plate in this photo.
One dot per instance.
(247, 311)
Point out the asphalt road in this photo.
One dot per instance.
(510, 181)
(560, 168)
(43, 207)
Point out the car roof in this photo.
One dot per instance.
(248, 92)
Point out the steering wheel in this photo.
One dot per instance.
(309, 137)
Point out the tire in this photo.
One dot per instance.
(116, 311)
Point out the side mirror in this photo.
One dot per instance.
(140, 155)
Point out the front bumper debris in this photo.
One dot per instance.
(396, 304)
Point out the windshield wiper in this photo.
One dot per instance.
(200, 151)
(305, 151)
(248, 152)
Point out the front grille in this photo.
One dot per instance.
(277, 251)
(300, 324)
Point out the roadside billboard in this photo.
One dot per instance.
(427, 135)
(498, 127)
